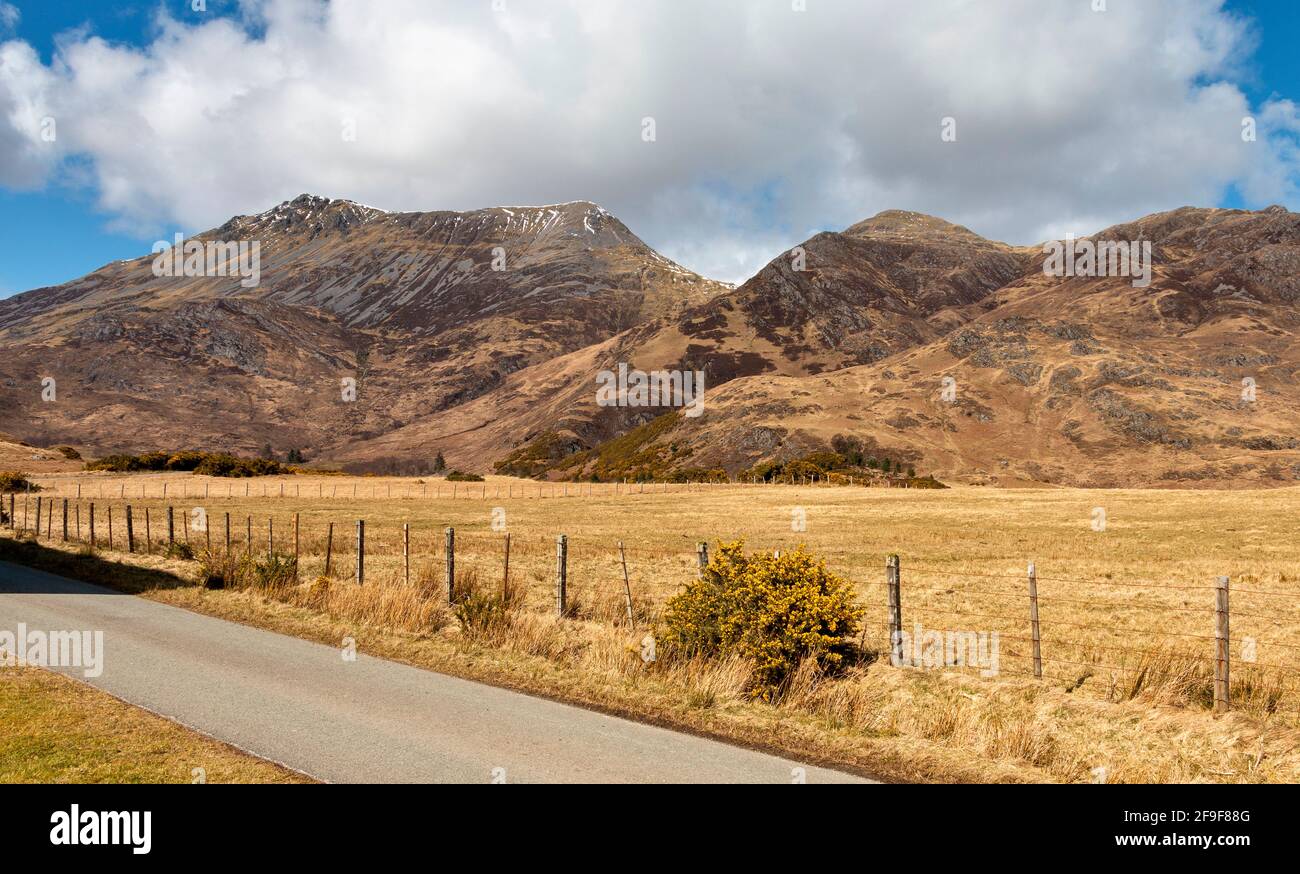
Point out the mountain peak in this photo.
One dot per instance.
(901, 222)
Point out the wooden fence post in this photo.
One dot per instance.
(406, 551)
(65, 520)
(361, 552)
(893, 581)
(148, 532)
(171, 526)
(92, 524)
(38, 517)
(1033, 621)
(1222, 638)
(562, 573)
(270, 539)
(451, 565)
(76, 510)
(701, 557)
(110, 526)
(227, 535)
(295, 546)
(627, 587)
(329, 548)
(130, 530)
(248, 532)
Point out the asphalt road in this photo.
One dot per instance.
(364, 721)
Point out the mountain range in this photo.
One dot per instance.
(480, 335)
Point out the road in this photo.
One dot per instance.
(364, 721)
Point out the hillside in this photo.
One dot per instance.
(424, 310)
(1073, 380)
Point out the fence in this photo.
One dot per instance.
(192, 488)
(1240, 640)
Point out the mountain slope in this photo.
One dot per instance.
(424, 310)
(1086, 381)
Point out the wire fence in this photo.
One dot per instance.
(1218, 644)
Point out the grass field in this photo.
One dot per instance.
(1127, 613)
(60, 731)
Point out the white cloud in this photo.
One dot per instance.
(9, 16)
(769, 121)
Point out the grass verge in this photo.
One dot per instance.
(60, 731)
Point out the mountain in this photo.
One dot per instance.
(1067, 380)
(1078, 381)
(424, 310)
(925, 342)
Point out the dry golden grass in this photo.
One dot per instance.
(60, 731)
(1127, 613)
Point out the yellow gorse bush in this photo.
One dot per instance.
(774, 611)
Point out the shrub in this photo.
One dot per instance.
(16, 481)
(68, 452)
(273, 572)
(457, 476)
(798, 470)
(230, 466)
(773, 611)
(481, 616)
(204, 463)
(219, 570)
(180, 551)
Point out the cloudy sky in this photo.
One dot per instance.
(123, 123)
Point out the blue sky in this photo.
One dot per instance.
(723, 218)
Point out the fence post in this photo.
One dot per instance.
(701, 557)
(361, 552)
(38, 517)
(406, 550)
(1222, 689)
(248, 547)
(450, 534)
(110, 526)
(227, 534)
(148, 532)
(92, 524)
(627, 587)
(1033, 621)
(65, 520)
(329, 548)
(562, 573)
(270, 539)
(893, 574)
(77, 511)
(171, 527)
(130, 530)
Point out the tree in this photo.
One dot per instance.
(294, 457)
(886, 465)
(439, 464)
